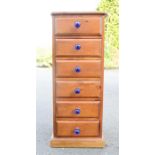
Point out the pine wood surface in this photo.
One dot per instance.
(90, 80)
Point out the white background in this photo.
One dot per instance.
(20, 34)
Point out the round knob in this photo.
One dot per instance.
(77, 46)
(77, 131)
(77, 24)
(77, 91)
(77, 111)
(77, 69)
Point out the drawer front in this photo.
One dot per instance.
(78, 88)
(78, 25)
(78, 68)
(78, 47)
(77, 128)
(77, 108)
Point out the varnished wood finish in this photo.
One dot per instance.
(89, 25)
(77, 142)
(102, 80)
(87, 128)
(88, 68)
(90, 59)
(76, 119)
(89, 47)
(87, 88)
(53, 66)
(87, 108)
(78, 13)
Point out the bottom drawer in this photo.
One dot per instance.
(77, 128)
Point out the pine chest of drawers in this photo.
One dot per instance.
(78, 74)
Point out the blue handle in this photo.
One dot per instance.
(76, 131)
(77, 46)
(77, 69)
(77, 91)
(77, 24)
(77, 111)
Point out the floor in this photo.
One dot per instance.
(44, 114)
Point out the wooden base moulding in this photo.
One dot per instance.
(77, 142)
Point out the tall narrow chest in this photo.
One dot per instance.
(78, 79)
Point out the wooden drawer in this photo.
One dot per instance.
(77, 108)
(78, 25)
(75, 88)
(78, 47)
(78, 68)
(77, 128)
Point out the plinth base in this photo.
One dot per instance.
(77, 142)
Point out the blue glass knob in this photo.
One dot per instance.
(77, 24)
(76, 131)
(77, 111)
(77, 46)
(77, 91)
(77, 69)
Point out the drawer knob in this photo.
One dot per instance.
(77, 46)
(77, 24)
(77, 111)
(77, 69)
(77, 91)
(76, 131)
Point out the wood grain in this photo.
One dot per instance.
(53, 70)
(89, 47)
(90, 58)
(79, 13)
(87, 128)
(87, 108)
(102, 80)
(89, 25)
(77, 142)
(87, 88)
(88, 68)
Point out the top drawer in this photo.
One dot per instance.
(78, 25)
